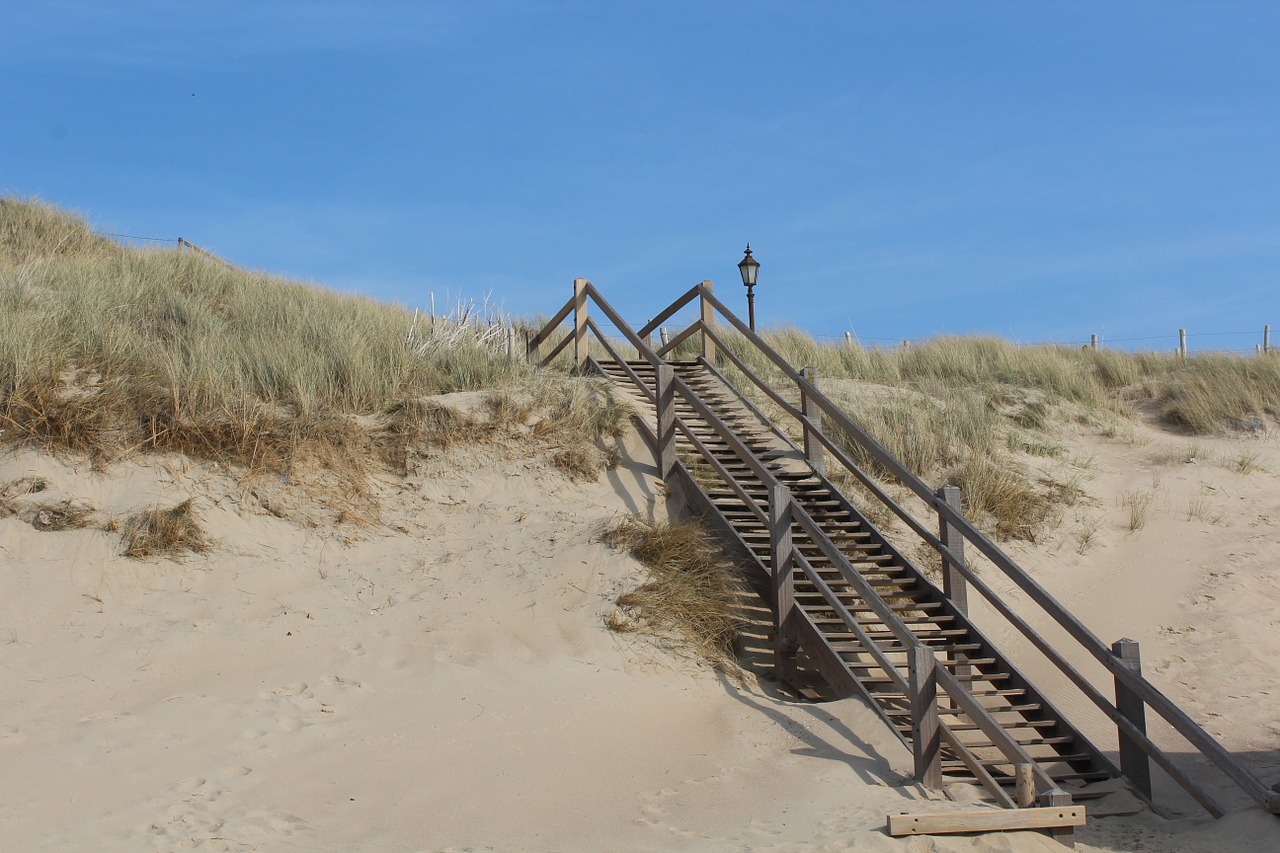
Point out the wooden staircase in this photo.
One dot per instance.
(835, 651)
(852, 614)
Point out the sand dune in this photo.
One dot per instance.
(444, 681)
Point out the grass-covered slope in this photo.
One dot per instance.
(106, 349)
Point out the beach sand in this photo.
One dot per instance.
(443, 680)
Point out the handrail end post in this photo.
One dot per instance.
(580, 321)
(665, 403)
(782, 567)
(813, 450)
(707, 314)
(1134, 763)
(926, 734)
(953, 583)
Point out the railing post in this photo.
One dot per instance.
(580, 321)
(953, 583)
(813, 450)
(1057, 798)
(926, 738)
(666, 406)
(708, 313)
(782, 567)
(1134, 763)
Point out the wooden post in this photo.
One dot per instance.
(1134, 763)
(1182, 343)
(1057, 798)
(1266, 339)
(782, 567)
(1093, 342)
(1025, 781)
(511, 341)
(926, 739)
(813, 450)
(666, 405)
(953, 583)
(708, 315)
(848, 339)
(664, 336)
(531, 346)
(580, 321)
(954, 586)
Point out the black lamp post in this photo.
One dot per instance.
(750, 267)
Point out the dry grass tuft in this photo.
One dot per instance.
(582, 463)
(164, 533)
(687, 602)
(63, 515)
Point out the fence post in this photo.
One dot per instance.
(782, 568)
(848, 339)
(511, 341)
(1093, 342)
(1134, 762)
(953, 583)
(1266, 339)
(664, 336)
(708, 313)
(813, 450)
(580, 321)
(666, 406)
(926, 739)
(1182, 343)
(531, 345)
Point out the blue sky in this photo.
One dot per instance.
(1034, 170)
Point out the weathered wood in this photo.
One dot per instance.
(685, 298)
(1182, 343)
(580, 321)
(985, 820)
(1133, 760)
(926, 743)
(666, 411)
(953, 584)
(669, 344)
(531, 346)
(812, 423)
(782, 567)
(550, 328)
(707, 315)
(664, 336)
(1266, 339)
(1025, 785)
(1059, 800)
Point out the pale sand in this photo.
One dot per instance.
(445, 682)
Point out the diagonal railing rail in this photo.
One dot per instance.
(1134, 694)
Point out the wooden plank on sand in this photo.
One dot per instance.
(984, 820)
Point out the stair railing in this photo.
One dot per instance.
(923, 678)
(1133, 692)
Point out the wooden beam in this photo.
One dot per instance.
(707, 314)
(985, 820)
(580, 321)
(812, 423)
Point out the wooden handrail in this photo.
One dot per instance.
(650, 327)
(1157, 701)
(1138, 685)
